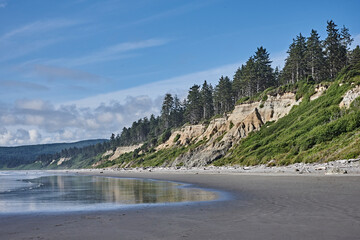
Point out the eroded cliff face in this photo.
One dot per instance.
(223, 133)
(349, 97)
(215, 139)
(112, 155)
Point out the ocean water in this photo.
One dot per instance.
(38, 191)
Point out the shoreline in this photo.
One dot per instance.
(261, 206)
(338, 167)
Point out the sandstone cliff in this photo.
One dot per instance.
(349, 97)
(112, 155)
(223, 133)
(213, 140)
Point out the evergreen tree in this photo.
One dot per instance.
(276, 77)
(177, 114)
(355, 56)
(295, 67)
(166, 110)
(238, 83)
(289, 71)
(154, 126)
(112, 141)
(346, 41)
(249, 77)
(207, 100)
(223, 95)
(315, 57)
(335, 51)
(194, 108)
(264, 72)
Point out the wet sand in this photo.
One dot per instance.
(258, 207)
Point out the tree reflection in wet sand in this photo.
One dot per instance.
(62, 193)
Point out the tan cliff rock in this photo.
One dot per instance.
(319, 90)
(349, 97)
(186, 133)
(223, 133)
(115, 154)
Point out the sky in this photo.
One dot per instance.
(82, 69)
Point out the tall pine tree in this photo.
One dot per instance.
(223, 96)
(207, 100)
(315, 57)
(264, 72)
(335, 51)
(166, 110)
(194, 108)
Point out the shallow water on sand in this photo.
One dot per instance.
(23, 192)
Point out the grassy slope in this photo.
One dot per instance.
(314, 131)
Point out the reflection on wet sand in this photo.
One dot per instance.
(77, 192)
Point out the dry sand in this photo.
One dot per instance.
(259, 207)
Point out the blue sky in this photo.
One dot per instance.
(73, 70)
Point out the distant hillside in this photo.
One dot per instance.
(14, 157)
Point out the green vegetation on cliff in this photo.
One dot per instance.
(314, 131)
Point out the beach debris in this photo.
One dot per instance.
(271, 163)
(336, 170)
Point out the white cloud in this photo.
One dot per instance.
(8, 119)
(6, 137)
(34, 104)
(106, 117)
(37, 121)
(34, 120)
(19, 136)
(113, 52)
(34, 135)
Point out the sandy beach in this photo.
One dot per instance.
(258, 206)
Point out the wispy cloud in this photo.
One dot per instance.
(113, 52)
(172, 12)
(19, 85)
(51, 73)
(13, 51)
(32, 37)
(180, 10)
(38, 26)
